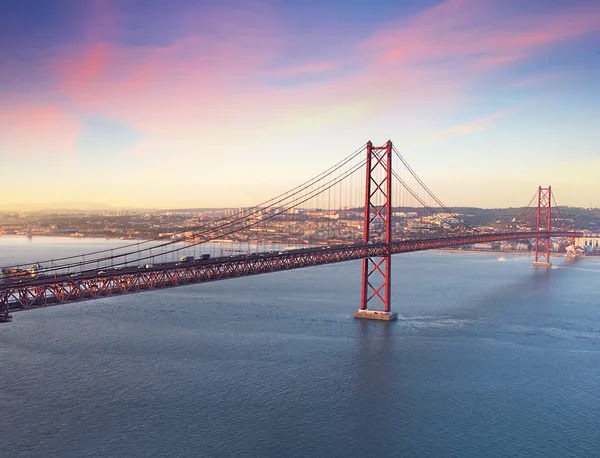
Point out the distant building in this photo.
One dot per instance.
(589, 242)
(507, 246)
(482, 246)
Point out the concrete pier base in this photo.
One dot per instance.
(376, 315)
(541, 264)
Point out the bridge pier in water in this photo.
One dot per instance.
(544, 223)
(376, 278)
(5, 316)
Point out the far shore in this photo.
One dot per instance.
(469, 251)
(518, 253)
(69, 236)
(439, 250)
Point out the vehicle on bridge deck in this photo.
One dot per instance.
(11, 273)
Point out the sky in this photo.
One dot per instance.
(193, 103)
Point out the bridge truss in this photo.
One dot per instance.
(43, 293)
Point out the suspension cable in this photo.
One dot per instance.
(416, 196)
(300, 200)
(292, 191)
(433, 196)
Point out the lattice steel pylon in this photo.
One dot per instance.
(544, 223)
(376, 271)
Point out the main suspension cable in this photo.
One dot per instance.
(292, 191)
(300, 200)
(431, 194)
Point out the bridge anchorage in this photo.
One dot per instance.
(376, 281)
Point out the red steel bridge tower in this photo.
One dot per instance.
(376, 271)
(544, 223)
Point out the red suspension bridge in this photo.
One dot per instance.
(363, 207)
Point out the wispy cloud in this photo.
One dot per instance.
(472, 32)
(308, 69)
(219, 74)
(218, 81)
(475, 125)
(40, 130)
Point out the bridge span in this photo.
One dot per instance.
(68, 288)
(436, 226)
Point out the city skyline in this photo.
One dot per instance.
(180, 104)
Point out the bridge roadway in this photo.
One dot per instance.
(49, 290)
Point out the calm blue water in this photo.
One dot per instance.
(490, 357)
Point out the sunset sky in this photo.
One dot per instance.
(189, 103)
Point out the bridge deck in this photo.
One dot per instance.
(46, 291)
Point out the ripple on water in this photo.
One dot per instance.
(487, 358)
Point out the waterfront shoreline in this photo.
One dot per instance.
(134, 240)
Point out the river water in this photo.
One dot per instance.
(489, 357)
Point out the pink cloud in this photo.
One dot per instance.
(475, 125)
(29, 130)
(217, 77)
(210, 77)
(557, 27)
(539, 79)
(489, 62)
(199, 76)
(87, 68)
(475, 32)
(307, 69)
